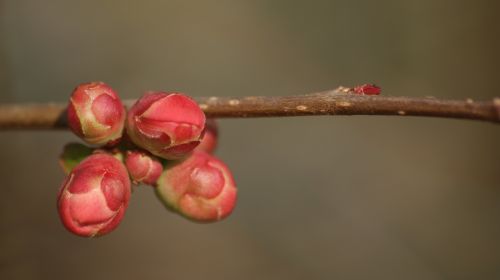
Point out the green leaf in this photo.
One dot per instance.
(72, 155)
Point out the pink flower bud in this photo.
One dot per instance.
(209, 140)
(200, 188)
(96, 114)
(94, 196)
(168, 125)
(143, 168)
(367, 89)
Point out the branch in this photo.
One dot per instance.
(333, 102)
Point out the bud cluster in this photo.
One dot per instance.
(164, 140)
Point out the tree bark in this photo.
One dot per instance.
(333, 102)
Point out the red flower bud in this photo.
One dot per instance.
(96, 114)
(143, 168)
(94, 196)
(200, 188)
(168, 125)
(367, 89)
(209, 140)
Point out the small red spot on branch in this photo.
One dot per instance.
(367, 89)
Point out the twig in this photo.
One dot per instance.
(333, 102)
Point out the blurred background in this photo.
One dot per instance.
(319, 197)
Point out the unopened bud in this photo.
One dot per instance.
(200, 188)
(143, 167)
(210, 137)
(96, 114)
(367, 89)
(168, 125)
(94, 196)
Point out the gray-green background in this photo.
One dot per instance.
(319, 197)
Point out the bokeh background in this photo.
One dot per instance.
(320, 197)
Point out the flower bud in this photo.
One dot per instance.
(209, 140)
(94, 196)
(143, 168)
(367, 89)
(168, 125)
(96, 114)
(200, 188)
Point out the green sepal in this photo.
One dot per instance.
(72, 155)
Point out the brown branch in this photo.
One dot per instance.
(334, 102)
